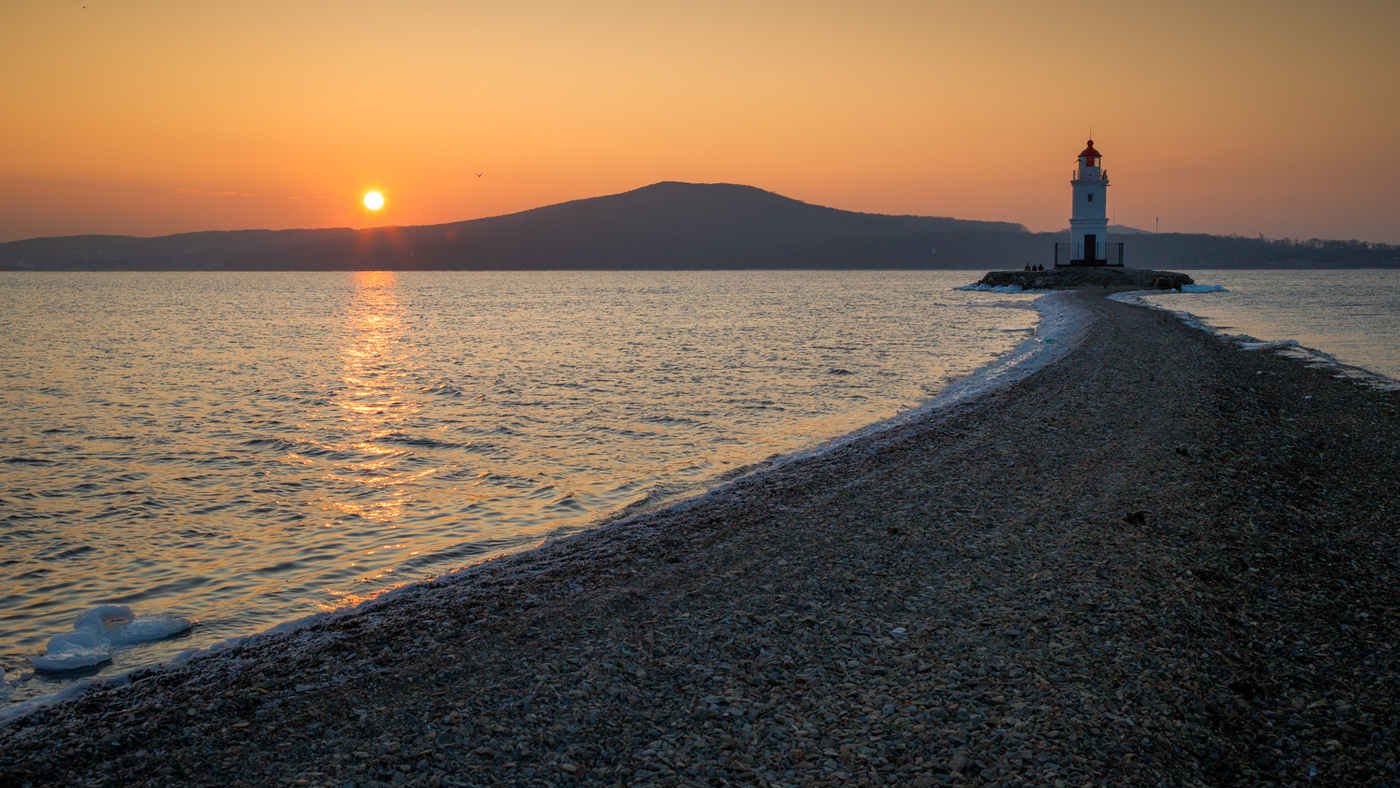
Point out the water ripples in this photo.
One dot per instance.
(243, 449)
(1354, 316)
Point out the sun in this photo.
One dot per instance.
(374, 200)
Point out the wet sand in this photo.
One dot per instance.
(1160, 560)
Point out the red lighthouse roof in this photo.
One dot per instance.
(1089, 151)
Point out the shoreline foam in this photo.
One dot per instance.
(1288, 348)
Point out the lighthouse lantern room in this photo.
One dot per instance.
(1088, 223)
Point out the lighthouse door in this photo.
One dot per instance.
(1091, 248)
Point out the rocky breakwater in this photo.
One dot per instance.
(1077, 278)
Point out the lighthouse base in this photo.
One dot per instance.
(1089, 255)
(1081, 277)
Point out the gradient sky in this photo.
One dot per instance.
(153, 117)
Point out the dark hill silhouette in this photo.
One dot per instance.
(667, 226)
(181, 251)
(662, 226)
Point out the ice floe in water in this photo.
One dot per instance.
(101, 629)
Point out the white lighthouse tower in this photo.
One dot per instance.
(1088, 223)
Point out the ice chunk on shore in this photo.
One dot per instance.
(98, 631)
(1276, 344)
(71, 651)
(128, 631)
(103, 617)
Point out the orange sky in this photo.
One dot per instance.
(148, 118)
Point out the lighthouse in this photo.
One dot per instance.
(1088, 223)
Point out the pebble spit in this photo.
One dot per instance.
(1160, 561)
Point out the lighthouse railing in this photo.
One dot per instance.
(1105, 253)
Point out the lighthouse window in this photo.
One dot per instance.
(1091, 198)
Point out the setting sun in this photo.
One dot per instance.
(374, 201)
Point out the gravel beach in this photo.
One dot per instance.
(1162, 560)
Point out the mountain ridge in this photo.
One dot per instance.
(668, 225)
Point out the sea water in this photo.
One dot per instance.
(241, 449)
(1352, 316)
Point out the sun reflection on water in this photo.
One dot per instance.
(231, 447)
(374, 403)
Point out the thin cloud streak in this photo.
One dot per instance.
(204, 193)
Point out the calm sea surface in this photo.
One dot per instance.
(244, 449)
(1354, 316)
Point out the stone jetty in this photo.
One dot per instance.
(1082, 277)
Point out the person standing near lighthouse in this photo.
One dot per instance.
(1088, 224)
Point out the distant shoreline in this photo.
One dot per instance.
(668, 226)
(1281, 268)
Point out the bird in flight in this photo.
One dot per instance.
(479, 174)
